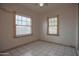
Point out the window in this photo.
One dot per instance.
(53, 26)
(23, 25)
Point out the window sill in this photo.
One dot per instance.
(19, 36)
(53, 34)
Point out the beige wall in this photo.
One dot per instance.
(67, 25)
(6, 28)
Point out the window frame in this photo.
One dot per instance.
(57, 26)
(14, 26)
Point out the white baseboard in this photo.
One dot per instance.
(78, 52)
(4, 54)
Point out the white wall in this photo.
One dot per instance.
(77, 39)
(7, 40)
(78, 26)
(67, 25)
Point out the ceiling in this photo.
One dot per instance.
(39, 9)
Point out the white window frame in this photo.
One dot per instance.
(24, 25)
(57, 26)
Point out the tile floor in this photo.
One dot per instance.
(40, 48)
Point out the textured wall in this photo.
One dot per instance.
(6, 27)
(67, 25)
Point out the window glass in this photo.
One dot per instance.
(23, 25)
(53, 25)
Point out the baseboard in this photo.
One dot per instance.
(35, 41)
(77, 51)
(58, 43)
(17, 46)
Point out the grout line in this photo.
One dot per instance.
(39, 40)
(42, 41)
